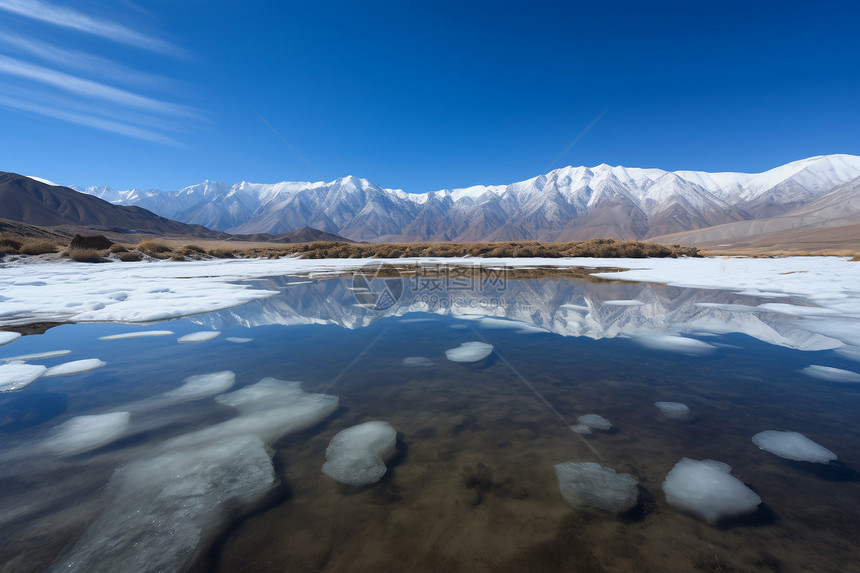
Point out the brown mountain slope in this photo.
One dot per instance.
(831, 223)
(29, 201)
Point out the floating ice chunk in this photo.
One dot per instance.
(674, 343)
(469, 352)
(673, 409)
(595, 421)
(238, 340)
(74, 367)
(793, 446)
(142, 334)
(17, 376)
(7, 337)
(85, 433)
(623, 302)
(165, 508)
(203, 385)
(357, 455)
(832, 374)
(583, 429)
(589, 484)
(202, 336)
(271, 408)
(417, 361)
(37, 356)
(707, 490)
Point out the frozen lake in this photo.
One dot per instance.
(197, 440)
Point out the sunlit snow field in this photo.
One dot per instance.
(198, 439)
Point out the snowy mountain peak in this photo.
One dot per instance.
(565, 204)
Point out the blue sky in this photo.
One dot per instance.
(420, 97)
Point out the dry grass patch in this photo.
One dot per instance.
(129, 256)
(9, 246)
(38, 247)
(86, 255)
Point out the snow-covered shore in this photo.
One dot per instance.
(150, 291)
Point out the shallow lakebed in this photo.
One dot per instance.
(200, 446)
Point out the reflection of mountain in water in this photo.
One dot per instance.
(563, 306)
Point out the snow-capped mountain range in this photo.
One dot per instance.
(571, 203)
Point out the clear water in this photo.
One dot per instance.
(471, 486)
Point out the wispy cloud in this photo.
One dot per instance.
(87, 88)
(67, 83)
(83, 62)
(89, 121)
(69, 18)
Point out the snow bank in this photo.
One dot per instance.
(589, 484)
(469, 352)
(85, 433)
(595, 421)
(202, 336)
(708, 491)
(832, 374)
(17, 376)
(356, 456)
(74, 367)
(793, 446)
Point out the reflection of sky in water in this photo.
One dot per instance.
(478, 442)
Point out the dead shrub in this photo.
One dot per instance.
(117, 248)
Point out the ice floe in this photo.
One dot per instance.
(583, 429)
(165, 507)
(201, 336)
(141, 334)
(673, 409)
(832, 374)
(595, 421)
(417, 361)
(74, 367)
(585, 484)
(17, 376)
(469, 352)
(203, 385)
(793, 446)
(37, 356)
(85, 433)
(357, 455)
(707, 490)
(7, 337)
(689, 346)
(238, 340)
